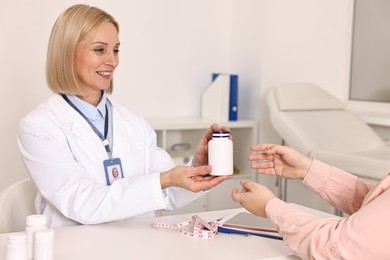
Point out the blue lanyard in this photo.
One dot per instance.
(105, 142)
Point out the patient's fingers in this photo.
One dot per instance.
(260, 156)
(262, 147)
(268, 171)
(263, 165)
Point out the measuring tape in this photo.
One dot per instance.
(196, 227)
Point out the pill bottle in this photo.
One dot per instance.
(220, 149)
(16, 246)
(33, 223)
(44, 244)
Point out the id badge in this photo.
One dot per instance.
(113, 170)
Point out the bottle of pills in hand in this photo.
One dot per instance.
(220, 154)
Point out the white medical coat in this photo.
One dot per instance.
(64, 157)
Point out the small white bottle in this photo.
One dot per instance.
(34, 223)
(44, 244)
(220, 149)
(16, 246)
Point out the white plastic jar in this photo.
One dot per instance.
(34, 223)
(44, 244)
(220, 149)
(16, 246)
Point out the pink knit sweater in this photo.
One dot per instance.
(365, 234)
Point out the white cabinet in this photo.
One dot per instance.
(180, 137)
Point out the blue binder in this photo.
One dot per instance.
(229, 96)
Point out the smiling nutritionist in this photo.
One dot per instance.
(71, 142)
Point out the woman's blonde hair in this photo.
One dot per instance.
(69, 29)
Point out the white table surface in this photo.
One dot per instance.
(138, 239)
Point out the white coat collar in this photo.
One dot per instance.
(63, 111)
(73, 123)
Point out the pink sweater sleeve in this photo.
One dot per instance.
(363, 235)
(340, 188)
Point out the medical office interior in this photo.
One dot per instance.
(169, 50)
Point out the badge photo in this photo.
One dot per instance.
(113, 170)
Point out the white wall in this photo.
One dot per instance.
(169, 50)
(277, 41)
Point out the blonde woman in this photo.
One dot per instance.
(71, 142)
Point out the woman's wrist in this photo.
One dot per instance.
(307, 167)
(165, 180)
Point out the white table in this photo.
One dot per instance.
(137, 239)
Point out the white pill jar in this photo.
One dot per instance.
(220, 149)
(16, 246)
(44, 244)
(33, 223)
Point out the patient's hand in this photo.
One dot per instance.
(253, 196)
(280, 160)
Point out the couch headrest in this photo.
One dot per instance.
(305, 96)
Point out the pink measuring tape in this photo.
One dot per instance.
(196, 227)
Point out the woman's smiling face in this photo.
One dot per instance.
(96, 58)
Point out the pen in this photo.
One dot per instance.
(240, 232)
